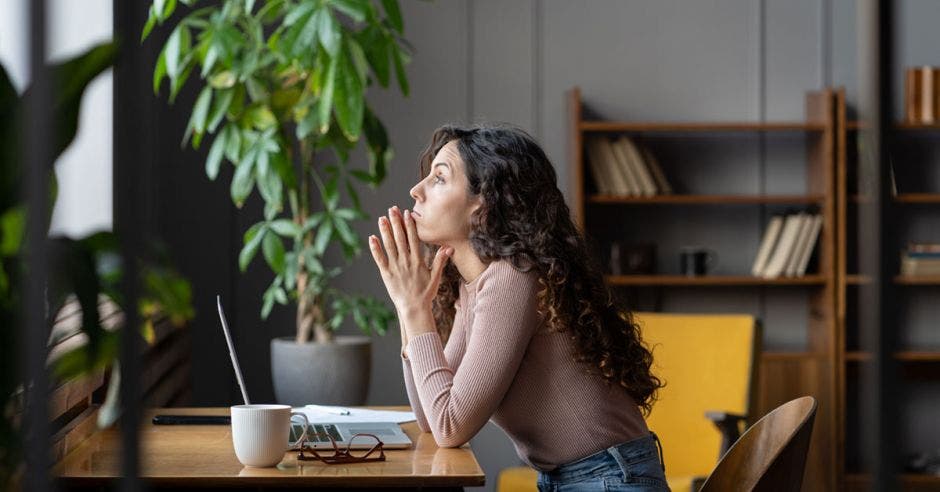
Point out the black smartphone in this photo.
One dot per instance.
(192, 420)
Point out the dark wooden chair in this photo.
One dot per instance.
(771, 454)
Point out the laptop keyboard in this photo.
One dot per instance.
(314, 434)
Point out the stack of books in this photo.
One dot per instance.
(787, 244)
(921, 259)
(620, 167)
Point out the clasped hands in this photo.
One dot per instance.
(410, 282)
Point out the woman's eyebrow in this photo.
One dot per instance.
(441, 164)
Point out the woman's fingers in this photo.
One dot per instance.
(413, 242)
(377, 254)
(398, 231)
(385, 228)
(437, 268)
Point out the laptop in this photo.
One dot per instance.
(389, 432)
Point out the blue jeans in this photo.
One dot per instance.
(634, 465)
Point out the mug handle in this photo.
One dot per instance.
(712, 260)
(303, 435)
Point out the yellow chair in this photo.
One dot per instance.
(708, 362)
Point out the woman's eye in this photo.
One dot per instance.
(437, 179)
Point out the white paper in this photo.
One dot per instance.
(321, 414)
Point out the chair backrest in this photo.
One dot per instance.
(771, 455)
(708, 363)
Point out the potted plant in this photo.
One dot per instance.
(283, 81)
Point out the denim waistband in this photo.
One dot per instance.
(624, 454)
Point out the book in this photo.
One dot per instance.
(662, 184)
(784, 246)
(927, 95)
(923, 247)
(640, 171)
(599, 165)
(913, 266)
(628, 184)
(806, 223)
(771, 234)
(810, 245)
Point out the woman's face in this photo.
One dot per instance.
(443, 206)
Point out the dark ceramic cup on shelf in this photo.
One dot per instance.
(696, 260)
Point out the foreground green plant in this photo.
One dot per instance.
(281, 81)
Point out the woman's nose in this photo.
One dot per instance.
(414, 191)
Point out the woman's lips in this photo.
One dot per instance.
(416, 213)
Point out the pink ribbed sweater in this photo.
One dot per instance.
(502, 364)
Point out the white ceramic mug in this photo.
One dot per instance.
(261, 433)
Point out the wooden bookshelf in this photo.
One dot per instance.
(852, 357)
(782, 375)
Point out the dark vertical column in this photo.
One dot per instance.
(887, 382)
(38, 162)
(132, 216)
(877, 303)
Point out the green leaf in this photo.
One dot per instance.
(244, 179)
(329, 31)
(377, 52)
(394, 14)
(212, 54)
(400, 59)
(349, 214)
(249, 5)
(313, 221)
(345, 233)
(324, 233)
(201, 110)
(261, 117)
(325, 103)
(273, 250)
(159, 71)
(219, 107)
(174, 45)
(222, 80)
(233, 143)
(357, 10)
(251, 247)
(151, 21)
(12, 227)
(214, 159)
(285, 227)
(349, 101)
(158, 7)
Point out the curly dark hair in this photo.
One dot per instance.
(524, 219)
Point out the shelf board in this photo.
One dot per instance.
(856, 279)
(903, 356)
(903, 125)
(679, 199)
(900, 125)
(917, 280)
(711, 280)
(901, 198)
(918, 198)
(730, 126)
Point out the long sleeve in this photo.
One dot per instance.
(459, 398)
(413, 398)
(453, 353)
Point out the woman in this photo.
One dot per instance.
(511, 321)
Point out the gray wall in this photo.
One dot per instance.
(488, 60)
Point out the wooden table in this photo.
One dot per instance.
(203, 456)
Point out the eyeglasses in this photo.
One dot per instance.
(347, 455)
